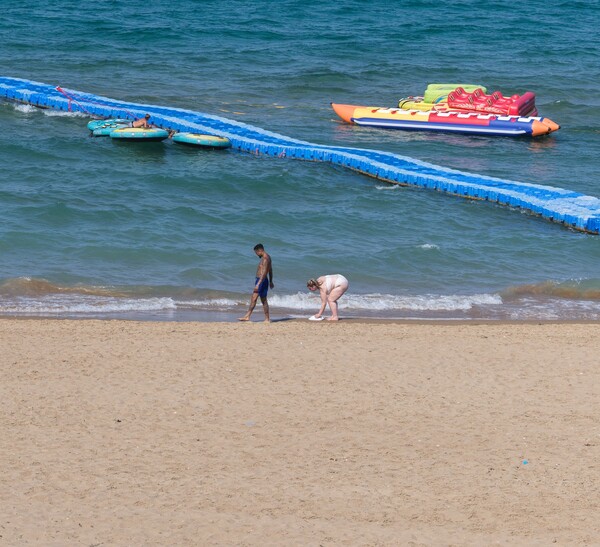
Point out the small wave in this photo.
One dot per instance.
(588, 289)
(28, 286)
(25, 108)
(39, 296)
(64, 114)
(554, 309)
(429, 246)
(547, 300)
(218, 304)
(481, 306)
(424, 302)
(50, 112)
(82, 305)
(389, 302)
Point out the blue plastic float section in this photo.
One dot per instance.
(572, 209)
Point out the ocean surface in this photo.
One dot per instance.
(94, 228)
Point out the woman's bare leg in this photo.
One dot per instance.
(332, 299)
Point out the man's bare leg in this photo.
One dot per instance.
(251, 308)
(265, 304)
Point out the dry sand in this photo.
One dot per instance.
(298, 433)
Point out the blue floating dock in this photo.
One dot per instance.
(577, 211)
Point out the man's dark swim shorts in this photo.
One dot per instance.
(263, 288)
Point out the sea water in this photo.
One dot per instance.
(94, 228)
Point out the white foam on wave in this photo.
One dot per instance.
(220, 304)
(64, 114)
(25, 108)
(302, 304)
(389, 302)
(429, 246)
(66, 304)
(50, 112)
(555, 309)
(365, 302)
(82, 304)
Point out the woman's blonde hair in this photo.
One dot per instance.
(312, 283)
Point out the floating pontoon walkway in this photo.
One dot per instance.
(572, 209)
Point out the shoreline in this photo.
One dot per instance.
(378, 433)
(37, 297)
(345, 320)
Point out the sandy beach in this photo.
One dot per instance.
(298, 433)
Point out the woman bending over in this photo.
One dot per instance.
(331, 287)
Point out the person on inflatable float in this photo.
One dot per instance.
(142, 122)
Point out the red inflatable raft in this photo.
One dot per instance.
(495, 103)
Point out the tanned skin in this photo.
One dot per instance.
(263, 270)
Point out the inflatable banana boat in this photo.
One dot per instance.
(473, 123)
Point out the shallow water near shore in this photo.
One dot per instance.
(94, 228)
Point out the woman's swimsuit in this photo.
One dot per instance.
(334, 281)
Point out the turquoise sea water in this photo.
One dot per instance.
(94, 228)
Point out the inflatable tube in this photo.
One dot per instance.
(572, 209)
(435, 97)
(106, 131)
(103, 128)
(436, 93)
(203, 141)
(417, 103)
(146, 134)
(470, 98)
(496, 103)
(111, 122)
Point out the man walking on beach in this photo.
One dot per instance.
(264, 280)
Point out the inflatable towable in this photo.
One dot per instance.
(495, 103)
(146, 134)
(435, 97)
(103, 128)
(202, 141)
(97, 124)
(456, 108)
(472, 123)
